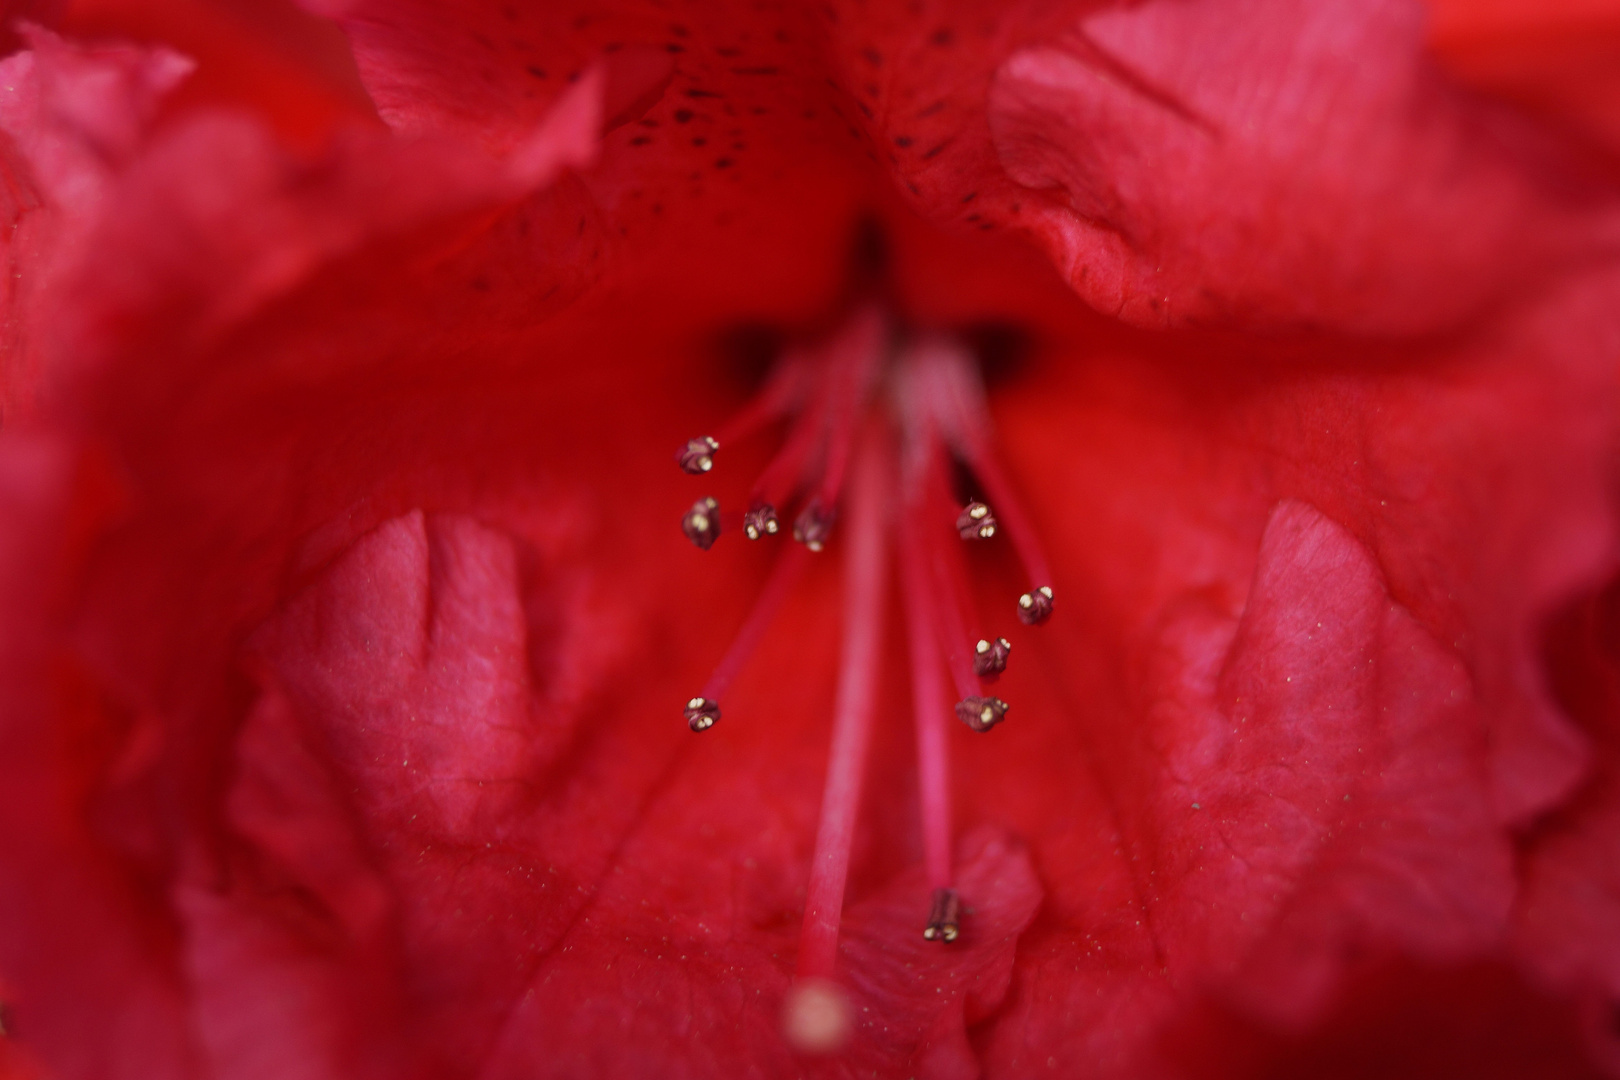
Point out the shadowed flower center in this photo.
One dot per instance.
(879, 423)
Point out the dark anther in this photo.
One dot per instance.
(760, 521)
(944, 916)
(981, 713)
(990, 657)
(697, 456)
(1035, 606)
(975, 522)
(701, 713)
(702, 523)
(812, 526)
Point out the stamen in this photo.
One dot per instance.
(957, 393)
(981, 713)
(865, 571)
(976, 709)
(784, 389)
(697, 456)
(759, 521)
(990, 658)
(925, 476)
(781, 390)
(975, 522)
(702, 714)
(1035, 606)
(788, 469)
(813, 526)
(952, 607)
(854, 356)
(701, 524)
(943, 916)
(704, 710)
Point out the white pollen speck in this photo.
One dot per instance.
(1196, 806)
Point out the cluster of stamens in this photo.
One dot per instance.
(898, 413)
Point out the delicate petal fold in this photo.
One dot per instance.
(1309, 783)
(87, 936)
(71, 117)
(1277, 162)
(397, 793)
(1568, 909)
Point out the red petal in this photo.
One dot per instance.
(290, 947)
(1401, 1021)
(1560, 57)
(289, 67)
(1568, 915)
(1308, 782)
(280, 359)
(72, 116)
(1273, 162)
(97, 944)
(416, 698)
(1337, 718)
(699, 994)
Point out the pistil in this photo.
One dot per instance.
(865, 582)
(928, 713)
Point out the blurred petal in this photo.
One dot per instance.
(1274, 162)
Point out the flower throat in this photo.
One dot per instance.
(878, 422)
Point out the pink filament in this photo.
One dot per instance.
(855, 354)
(953, 386)
(864, 585)
(823, 435)
(929, 709)
(783, 575)
(779, 394)
(787, 469)
(1010, 513)
(939, 551)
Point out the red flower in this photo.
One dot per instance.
(344, 625)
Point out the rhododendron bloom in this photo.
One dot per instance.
(1154, 471)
